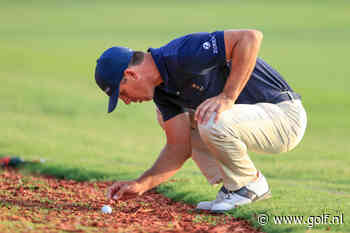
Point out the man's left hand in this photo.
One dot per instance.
(216, 104)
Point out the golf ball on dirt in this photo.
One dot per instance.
(106, 209)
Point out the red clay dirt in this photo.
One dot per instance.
(46, 204)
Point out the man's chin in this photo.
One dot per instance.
(146, 99)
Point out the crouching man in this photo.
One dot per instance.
(216, 100)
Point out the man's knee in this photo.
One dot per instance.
(223, 141)
(219, 130)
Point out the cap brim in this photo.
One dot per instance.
(113, 100)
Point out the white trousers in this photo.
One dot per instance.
(221, 149)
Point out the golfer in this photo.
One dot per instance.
(216, 101)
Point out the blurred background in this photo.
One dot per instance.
(50, 106)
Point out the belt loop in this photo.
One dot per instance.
(290, 96)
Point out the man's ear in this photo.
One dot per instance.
(130, 74)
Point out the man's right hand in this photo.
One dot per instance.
(125, 190)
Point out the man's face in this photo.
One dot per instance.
(134, 88)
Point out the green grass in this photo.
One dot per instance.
(51, 108)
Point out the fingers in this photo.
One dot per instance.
(205, 111)
(110, 192)
(117, 190)
(125, 190)
(213, 108)
(217, 104)
(121, 192)
(217, 115)
(199, 112)
(113, 190)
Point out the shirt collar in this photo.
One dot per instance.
(159, 61)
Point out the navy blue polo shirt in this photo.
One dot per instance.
(194, 68)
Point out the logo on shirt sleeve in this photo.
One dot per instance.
(206, 45)
(212, 43)
(215, 46)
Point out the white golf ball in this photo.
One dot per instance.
(106, 209)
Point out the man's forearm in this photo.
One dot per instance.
(170, 160)
(244, 54)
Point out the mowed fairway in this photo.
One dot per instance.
(50, 106)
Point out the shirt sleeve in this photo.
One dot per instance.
(167, 108)
(202, 51)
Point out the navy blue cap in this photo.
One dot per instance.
(110, 71)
